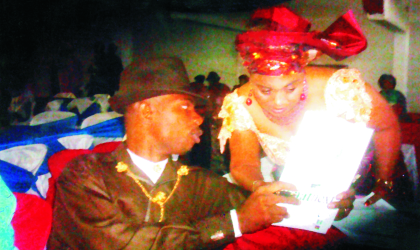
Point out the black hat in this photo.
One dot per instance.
(146, 79)
(200, 78)
(213, 77)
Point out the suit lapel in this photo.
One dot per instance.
(123, 156)
(169, 174)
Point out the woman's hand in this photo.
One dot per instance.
(381, 190)
(344, 203)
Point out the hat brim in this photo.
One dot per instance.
(120, 101)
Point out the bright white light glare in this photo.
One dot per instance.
(325, 153)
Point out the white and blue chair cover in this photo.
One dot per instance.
(66, 95)
(80, 105)
(58, 105)
(55, 119)
(25, 167)
(104, 127)
(103, 101)
(83, 107)
(55, 105)
(108, 126)
(83, 141)
(60, 102)
(31, 176)
(19, 168)
(16, 178)
(99, 118)
(7, 210)
(47, 134)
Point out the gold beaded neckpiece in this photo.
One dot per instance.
(160, 198)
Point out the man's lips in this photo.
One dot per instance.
(196, 135)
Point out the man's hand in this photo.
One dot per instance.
(344, 203)
(260, 210)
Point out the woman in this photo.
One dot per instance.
(261, 116)
(395, 98)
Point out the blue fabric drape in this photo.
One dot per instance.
(21, 180)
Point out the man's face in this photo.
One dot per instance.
(177, 123)
(388, 85)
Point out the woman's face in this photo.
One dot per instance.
(278, 95)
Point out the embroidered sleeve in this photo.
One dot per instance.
(345, 96)
(235, 117)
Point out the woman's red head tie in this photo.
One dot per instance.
(279, 41)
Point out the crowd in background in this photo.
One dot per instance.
(207, 153)
(25, 89)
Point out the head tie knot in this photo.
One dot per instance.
(279, 41)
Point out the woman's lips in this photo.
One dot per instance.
(278, 111)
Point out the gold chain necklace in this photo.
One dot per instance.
(160, 197)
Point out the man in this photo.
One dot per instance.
(200, 154)
(242, 80)
(137, 197)
(198, 86)
(219, 162)
(114, 68)
(217, 90)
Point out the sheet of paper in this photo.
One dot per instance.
(324, 158)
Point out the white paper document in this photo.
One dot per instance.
(324, 157)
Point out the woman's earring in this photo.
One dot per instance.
(248, 100)
(305, 91)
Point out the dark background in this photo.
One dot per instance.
(27, 25)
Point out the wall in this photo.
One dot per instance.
(413, 98)
(206, 43)
(202, 44)
(378, 56)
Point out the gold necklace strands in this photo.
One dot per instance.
(160, 198)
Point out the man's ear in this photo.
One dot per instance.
(145, 109)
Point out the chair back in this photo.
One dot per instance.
(19, 167)
(55, 118)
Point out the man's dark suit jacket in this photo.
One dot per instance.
(97, 207)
